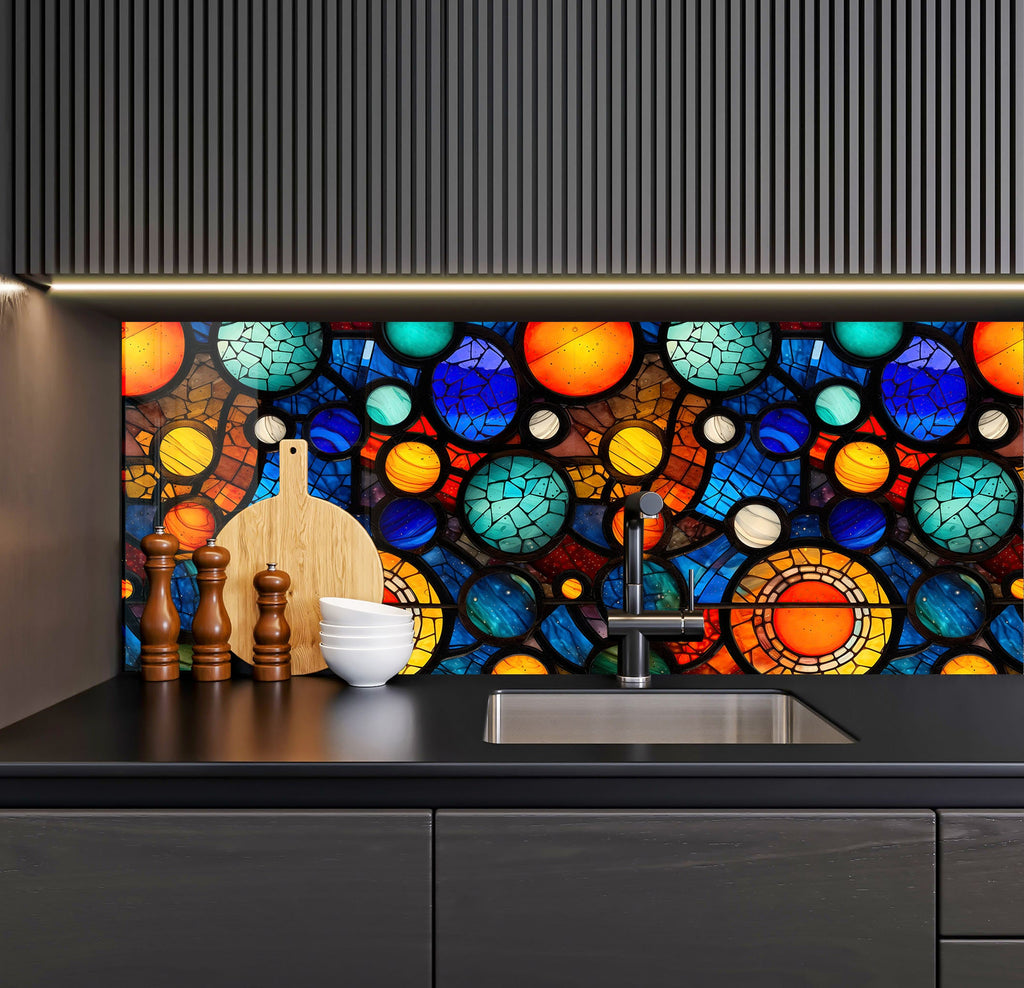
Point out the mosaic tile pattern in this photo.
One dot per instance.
(847, 495)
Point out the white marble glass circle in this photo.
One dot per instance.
(757, 526)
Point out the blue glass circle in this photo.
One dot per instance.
(924, 390)
(516, 503)
(857, 523)
(661, 588)
(501, 604)
(408, 523)
(965, 504)
(950, 605)
(783, 430)
(334, 430)
(475, 391)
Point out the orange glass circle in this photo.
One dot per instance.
(519, 665)
(126, 589)
(190, 523)
(654, 529)
(571, 588)
(151, 354)
(634, 451)
(968, 665)
(999, 353)
(577, 359)
(1017, 588)
(413, 467)
(862, 467)
(810, 630)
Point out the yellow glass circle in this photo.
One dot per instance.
(185, 451)
(413, 467)
(1017, 588)
(968, 665)
(862, 467)
(634, 451)
(571, 588)
(519, 665)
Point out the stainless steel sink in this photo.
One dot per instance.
(655, 717)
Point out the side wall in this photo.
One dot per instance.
(60, 513)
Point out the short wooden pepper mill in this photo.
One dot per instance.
(211, 627)
(271, 650)
(160, 622)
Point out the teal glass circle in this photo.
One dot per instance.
(516, 503)
(270, 356)
(868, 339)
(719, 357)
(388, 405)
(837, 405)
(965, 504)
(419, 339)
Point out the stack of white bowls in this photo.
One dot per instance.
(362, 642)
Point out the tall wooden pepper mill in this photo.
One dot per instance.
(271, 650)
(211, 627)
(160, 622)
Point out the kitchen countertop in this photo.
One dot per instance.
(922, 741)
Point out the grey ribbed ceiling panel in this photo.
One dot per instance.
(543, 136)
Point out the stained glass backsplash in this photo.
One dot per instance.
(840, 464)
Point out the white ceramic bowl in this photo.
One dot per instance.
(367, 641)
(360, 665)
(345, 610)
(330, 628)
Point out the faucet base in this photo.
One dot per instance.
(634, 682)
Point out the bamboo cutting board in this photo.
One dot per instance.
(324, 549)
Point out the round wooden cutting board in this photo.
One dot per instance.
(324, 549)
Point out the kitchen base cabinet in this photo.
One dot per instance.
(171, 899)
(605, 898)
(981, 868)
(981, 963)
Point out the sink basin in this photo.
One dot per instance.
(655, 717)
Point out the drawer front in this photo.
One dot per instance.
(981, 873)
(981, 963)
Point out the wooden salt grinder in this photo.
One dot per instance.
(271, 651)
(160, 622)
(211, 627)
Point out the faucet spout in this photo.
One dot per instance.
(633, 624)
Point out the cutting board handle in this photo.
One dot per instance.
(294, 470)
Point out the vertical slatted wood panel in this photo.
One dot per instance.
(517, 136)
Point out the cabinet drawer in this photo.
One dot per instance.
(603, 899)
(981, 873)
(173, 899)
(981, 963)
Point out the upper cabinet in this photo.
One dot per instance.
(499, 136)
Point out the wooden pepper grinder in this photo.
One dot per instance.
(160, 622)
(211, 627)
(271, 650)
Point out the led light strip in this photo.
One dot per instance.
(553, 285)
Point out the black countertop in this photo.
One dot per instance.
(922, 741)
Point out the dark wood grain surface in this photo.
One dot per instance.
(981, 963)
(703, 899)
(190, 899)
(981, 868)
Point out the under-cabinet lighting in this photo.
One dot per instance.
(556, 285)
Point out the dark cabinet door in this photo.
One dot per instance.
(177, 899)
(605, 898)
(981, 858)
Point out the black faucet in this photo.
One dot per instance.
(633, 624)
